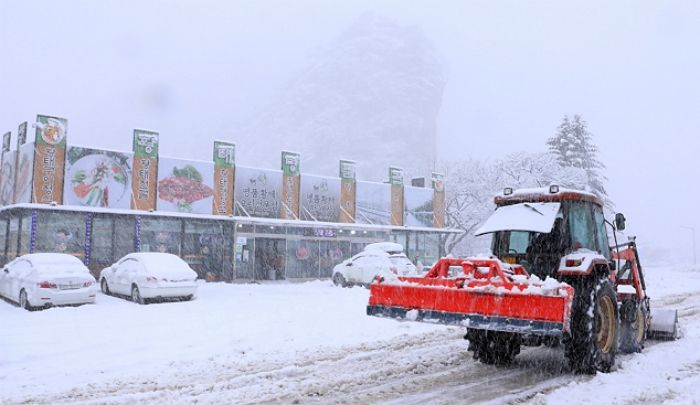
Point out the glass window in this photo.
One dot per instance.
(101, 252)
(601, 232)
(161, 235)
(302, 259)
(3, 241)
(332, 253)
(25, 234)
(12, 239)
(270, 255)
(59, 232)
(244, 249)
(124, 236)
(518, 242)
(581, 226)
(203, 248)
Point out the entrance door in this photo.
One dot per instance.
(270, 255)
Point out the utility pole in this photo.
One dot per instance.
(695, 257)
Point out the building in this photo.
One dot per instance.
(229, 222)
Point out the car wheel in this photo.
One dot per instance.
(338, 279)
(136, 295)
(104, 287)
(23, 301)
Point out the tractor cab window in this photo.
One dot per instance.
(601, 232)
(512, 246)
(581, 226)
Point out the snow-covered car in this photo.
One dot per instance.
(149, 276)
(384, 258)
(42, 280)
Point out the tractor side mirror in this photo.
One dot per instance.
(620, 221)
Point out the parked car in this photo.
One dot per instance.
(383, 258)
(42, 280)
(149, 276)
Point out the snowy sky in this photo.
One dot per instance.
(631, 68)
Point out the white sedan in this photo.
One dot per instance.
(149, 276)
(383, 258)
(42, 280)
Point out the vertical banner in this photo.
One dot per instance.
(348, 191)
(397, 205)
(19, 163)
(438, 200)
(224, 175)
(49, 159)
(291, 185)
(145, 170)
(7, 166)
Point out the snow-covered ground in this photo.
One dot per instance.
(311, 343)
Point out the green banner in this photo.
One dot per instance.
(290, 163)
(224, 154)
(145, 144)
(396, 176)
(51, 131)
(347, 170)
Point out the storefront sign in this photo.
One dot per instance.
(49, 159)
(438, 181)
(97, 178)
(185, 185)
(291, 185)
(320, 197)
(419, 206)
(224, 175)
(373, 203)
(145, 173)
(348, 189)
(257, 192)
(397, 206)
(23, 173)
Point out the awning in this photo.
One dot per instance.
(531, 217)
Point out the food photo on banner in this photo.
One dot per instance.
(373, 203)
(185, 186)
(7, 186)
(418, 206)
(258, 192)
(97, 178)
(320, 198)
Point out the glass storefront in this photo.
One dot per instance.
(217, 249)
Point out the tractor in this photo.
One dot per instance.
(553, 278)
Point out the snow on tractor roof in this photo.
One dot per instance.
(551, 194)
(530, 217)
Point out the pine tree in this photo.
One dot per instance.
(573, 147)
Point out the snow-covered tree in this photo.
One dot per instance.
(573, 147)
(472, 185)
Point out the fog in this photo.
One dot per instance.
(199, 71)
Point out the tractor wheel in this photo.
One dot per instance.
(594, 327)
(494, 347)
(633, 325)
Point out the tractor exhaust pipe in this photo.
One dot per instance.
(664, 324)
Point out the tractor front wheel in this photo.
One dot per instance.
(594, 327)
(633, 325)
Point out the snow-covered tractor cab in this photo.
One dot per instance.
(538, 228)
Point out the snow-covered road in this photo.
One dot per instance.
(310, 343)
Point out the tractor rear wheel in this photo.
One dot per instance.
(594, 326)
(633, 325)
(494, 347)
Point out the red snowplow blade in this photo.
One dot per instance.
(486, 295)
